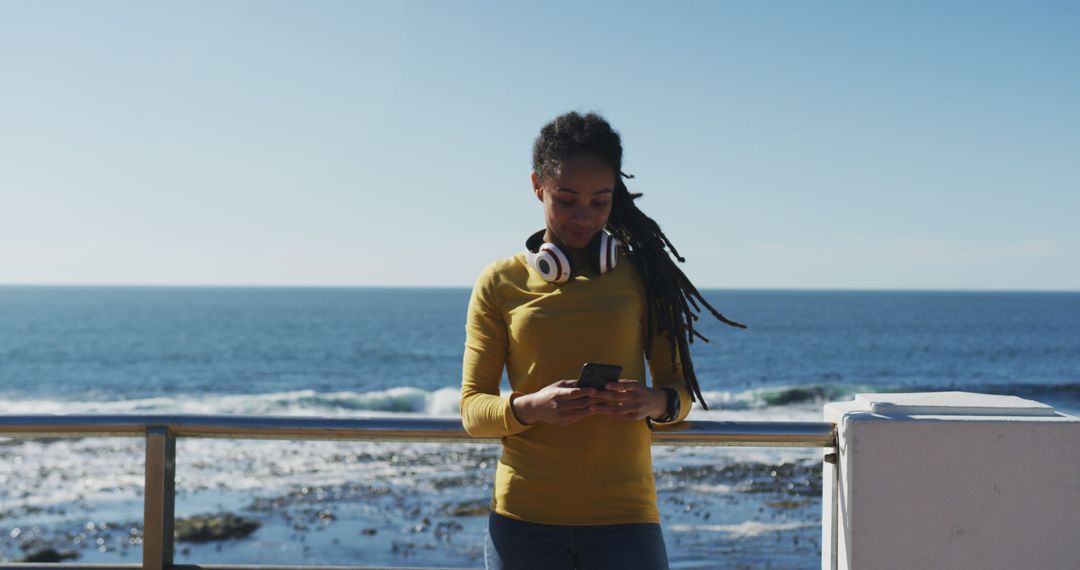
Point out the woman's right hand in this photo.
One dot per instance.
(560, 403)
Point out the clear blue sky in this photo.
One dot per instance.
(890, 145)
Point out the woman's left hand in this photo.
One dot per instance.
(632, 400)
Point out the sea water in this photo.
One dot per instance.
(361, 352)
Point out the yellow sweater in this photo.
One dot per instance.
(597, 470)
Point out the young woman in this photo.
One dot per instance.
(574, 486)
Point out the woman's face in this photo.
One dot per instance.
(577, 199)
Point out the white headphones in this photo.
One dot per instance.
(555, 266)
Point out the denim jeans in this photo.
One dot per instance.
(518, 545)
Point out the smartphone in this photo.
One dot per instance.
(596, 375)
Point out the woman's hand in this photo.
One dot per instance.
(632, 400)
(560, 403)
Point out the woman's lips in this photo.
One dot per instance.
(579, 236)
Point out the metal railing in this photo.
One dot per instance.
(161, 431)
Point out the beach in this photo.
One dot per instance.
(382, 504)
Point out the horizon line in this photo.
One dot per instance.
(370, 286)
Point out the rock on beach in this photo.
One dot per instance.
(221, 526)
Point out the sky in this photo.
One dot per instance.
(804, 145)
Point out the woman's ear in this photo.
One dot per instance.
(536, 187)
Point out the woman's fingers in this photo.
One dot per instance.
(576, 403)
(620, 406)
(629, 412)
(564, 402)
(623, 385)
(571, 410)
(569, 393)
(625, 398)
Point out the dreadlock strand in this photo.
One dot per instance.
(695, 293)
(690, 375)
(690, 299)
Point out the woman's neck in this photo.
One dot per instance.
(579, 257)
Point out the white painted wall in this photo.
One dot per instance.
(952, 480)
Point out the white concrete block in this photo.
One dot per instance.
(952, 480)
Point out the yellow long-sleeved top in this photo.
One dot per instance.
(597, 470)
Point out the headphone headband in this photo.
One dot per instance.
(555, 266)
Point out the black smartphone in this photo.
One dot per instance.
(596, 375)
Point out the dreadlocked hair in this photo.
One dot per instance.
(672, 302)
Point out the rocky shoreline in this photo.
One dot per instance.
(428, 507)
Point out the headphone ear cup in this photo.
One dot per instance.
(547, 259)
(552, 264)
(607, 252)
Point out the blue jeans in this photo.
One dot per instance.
(518, 545)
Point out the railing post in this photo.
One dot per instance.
(159, 498)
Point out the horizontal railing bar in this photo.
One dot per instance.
(749, 434)
(235, 426)
(280, 567)
(71, 566)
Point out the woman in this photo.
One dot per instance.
(574, 486)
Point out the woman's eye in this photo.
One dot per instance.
(566, 202)
(599, 204)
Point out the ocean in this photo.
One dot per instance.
(353, 352)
